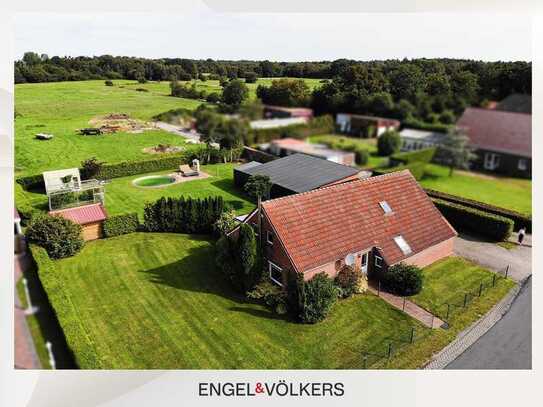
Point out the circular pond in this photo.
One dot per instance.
(154, 181)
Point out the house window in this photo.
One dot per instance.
(522, 164)
(276, 273)
(378, 262)
(492, 161)
(385, 207)
(402, 244)
(269, 237)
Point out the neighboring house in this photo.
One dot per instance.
(276, 123)
(280, 112)
(371, 224)
(289, 146)
(364, 126)
(517, 102)
(413, 139)
(502, 140)
(296, 173)
(90, 217)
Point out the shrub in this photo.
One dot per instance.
(258, 186)
(247, 255)
(361, 155)
(91, 167)
(108, 83)
(348, 279)
(425, 155)
(402, 279)
(226, 222)
(419, 124)
(271, 295)
(121, 224)
(225, 261)
(32, 183)
(388, 143)
(58, 236)
(213, 97)
(417, 169)
(250, 77)
(316, 299)
(473, 220)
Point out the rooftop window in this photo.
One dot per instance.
(402, 244)
(385, 206)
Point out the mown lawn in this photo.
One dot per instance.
(374, 160)
(154, 301)
(510, 193)
(447, 281)
(122, 196)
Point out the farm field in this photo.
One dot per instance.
(60, 108)
(123, 197)
(154, 301)
(510, 193)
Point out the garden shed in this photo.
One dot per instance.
(90, 217)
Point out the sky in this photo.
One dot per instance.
(202, 33)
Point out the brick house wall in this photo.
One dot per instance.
(432, 254)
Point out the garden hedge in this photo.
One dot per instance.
(518, 218)
(121, 224)
(425, 155)
(78, 340)
(416, 168)
(464, 218)
(413, 123)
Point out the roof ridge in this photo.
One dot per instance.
(367, 180)
(76, 207)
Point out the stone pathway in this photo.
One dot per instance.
(25, 351)
(410, 308)
(468, 337)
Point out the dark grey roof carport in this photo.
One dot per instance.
(299, 172)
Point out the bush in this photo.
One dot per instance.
(348, 279)
(58, 236)
(473, 220)
(271, 295)
(226, 222)
(108, 83)
(388, 143)
(251, 77)
(361, 155)
(32, 183)
(402, 279)
(417, 169)
(121, 224)
(425, 155)
(213, 97)
(90, 168)
(413, 123)
(316, 298)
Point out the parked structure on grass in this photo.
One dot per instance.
(90, 217)
(364, 126)
(280, 112)
(64, 188)
(289, 146)
(502, 140)
(413, 139)
(371, 224)
(296, 173)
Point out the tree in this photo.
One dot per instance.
(225, 261)
(58, 236)
(234, 93)
(252, 109)
(231, 133)
(247, 255)
(285, 92)
(251, 77)
(388, 143)
(406, 81)
(226, 222)
(319, 295)
(258, 186)
(91, 167)
(455, 151)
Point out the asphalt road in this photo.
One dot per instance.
(508, 344)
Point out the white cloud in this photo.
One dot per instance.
(202, 33)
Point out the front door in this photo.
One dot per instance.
(364, 264)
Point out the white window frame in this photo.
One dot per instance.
(385, 207)
(378, 261)
(268, 234)
(522, 164)
(491, 161)
(271, 265)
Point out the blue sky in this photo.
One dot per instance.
(202, 33)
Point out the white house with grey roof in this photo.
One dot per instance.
(413, 139)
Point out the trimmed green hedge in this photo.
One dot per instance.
(518, 218)
(468, 219)
(121, 224)
(31, 182)
(417, 169)
(79, 341)
(413, 123)
(425, 155)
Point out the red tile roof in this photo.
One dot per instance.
(323, 225)
(500, 131)
(83, 214)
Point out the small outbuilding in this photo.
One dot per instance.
(364, 126)
(90, 217)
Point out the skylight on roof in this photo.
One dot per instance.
(385, 206)
(402, 244)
